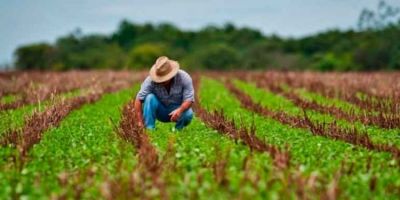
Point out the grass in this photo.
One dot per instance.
(277, 102)
(307, 150)
(196, 148)
(84, 140)
(8, 98)
(12, 119)
(80, 156)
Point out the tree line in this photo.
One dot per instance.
(370, 46)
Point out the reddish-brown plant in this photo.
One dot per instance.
(149, 167)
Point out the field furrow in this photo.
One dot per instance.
(149, 168)
(382, 120)
(281, 157)
(330, 130)
(206, 164)
(15, 118)
(228, 169)
(307, 150)
(254, 135)
(39, 122)
(50, 84)
(373, 138)
(81, 141)
(377, 92)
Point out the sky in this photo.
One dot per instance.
(31, 21)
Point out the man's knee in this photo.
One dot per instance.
(151, 99)
(185, 119)
(187, 115)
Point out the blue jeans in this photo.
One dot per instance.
(153, 109)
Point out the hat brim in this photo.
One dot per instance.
(170, 75)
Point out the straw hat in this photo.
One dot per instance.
(164, 69)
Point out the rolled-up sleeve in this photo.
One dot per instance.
(145, 89)
(188, 90)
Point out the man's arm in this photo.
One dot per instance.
(186, 105)
(178, 112)
(145, 89)
(188, 96)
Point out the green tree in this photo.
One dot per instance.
(335, 62)
(144, 55)
(218, 56)
(384, 16)
(36, 56)
(258, 56)
(86, 52)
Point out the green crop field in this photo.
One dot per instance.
(259, 135)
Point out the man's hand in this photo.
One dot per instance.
(175, 114)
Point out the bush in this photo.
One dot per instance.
(266, 55)
(218, 56)
(373, 54)
(36, 56)
(334, 62)
(256, 57)
(395, 60)
(143, 56)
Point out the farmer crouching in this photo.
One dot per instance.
(166, 94)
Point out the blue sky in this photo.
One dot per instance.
(27, 21)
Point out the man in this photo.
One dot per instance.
(166, 94)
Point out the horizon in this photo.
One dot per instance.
(44, 23)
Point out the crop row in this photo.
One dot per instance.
(248, 155)
(39, 122)
(154, 172)
(327, 109)
(160, 172)
(104, 81)
(283, 103)
(383, 120)
(281, 158)
(29, 92)
(217, 121)
(20, 81)
(313, 152)
(233, 170)
(330, 130)
(377, 92)
(149, 167)
(171, 170)
(27, 88)
(15, 82)
(15, 118)
(74, 158)
(17, 142)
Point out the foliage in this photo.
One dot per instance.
(35, 56)
(218, 56)
(368, 47)
(83, 52)
(144, 55)
(331, 61)
(302, 144)
(83, 140)
(385, 15)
